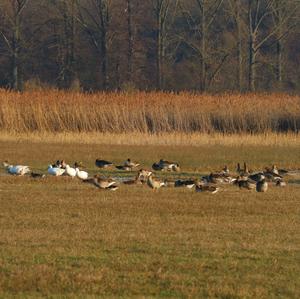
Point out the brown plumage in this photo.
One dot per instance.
(262, 186)
(154, 183)
(102, 183)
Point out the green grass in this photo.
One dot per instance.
(61, 238)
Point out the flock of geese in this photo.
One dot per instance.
(243, 178)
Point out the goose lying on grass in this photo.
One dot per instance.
(17, 169)
(103, 163)
(83, 175)
(55, 171)
(102, 183)
(200, 187)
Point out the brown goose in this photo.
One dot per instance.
(206, 188)
(143, 175)
(262, 186)
(134, 181)
(154, 183)
(244, 183)
(102, 183)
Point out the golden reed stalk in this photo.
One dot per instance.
(154, 112)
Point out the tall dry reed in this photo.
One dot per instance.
(155, 112)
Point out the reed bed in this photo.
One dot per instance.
(142, 112)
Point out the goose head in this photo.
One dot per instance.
(6, 164)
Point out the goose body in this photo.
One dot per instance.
(246, 184)
(143, 175)
(185, 183)
(103, 163)
(123, 167)
(166, 165)
(83, 175)
(134, 181)
(154, 183)
(257, 176)
(55, 171)
(103, 183)
(262, 186)
(16, 169)
(129, 163)
(218, 178)
(207, 188)
(70, 171)
(35, 175)
(280, 183)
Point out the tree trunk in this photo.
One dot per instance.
(279, 52)
(16, 80)
(103, 9)
(251, 49)
(252, 64)
(203, 48)
(158, 42)
(239, 47)
(104, 60)
(130, 41)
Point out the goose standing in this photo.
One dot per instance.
(17, 169)
(143, 175)
(154, 183)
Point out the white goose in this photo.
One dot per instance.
(55, 171)
(70, 171)
(81, 174)
(17, 169)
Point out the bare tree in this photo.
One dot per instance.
(200, 24)
(13, 12)
(130, 40)
(259, 12)
(66, 41)
(285, 17)
(161, 11)
(236, 12)
(94, 18)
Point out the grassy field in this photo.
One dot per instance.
(61, 238)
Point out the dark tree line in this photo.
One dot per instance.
(205, 45)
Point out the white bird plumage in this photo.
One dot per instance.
(70, 171)
(16, 169)
(55, 171)
(81, 174)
